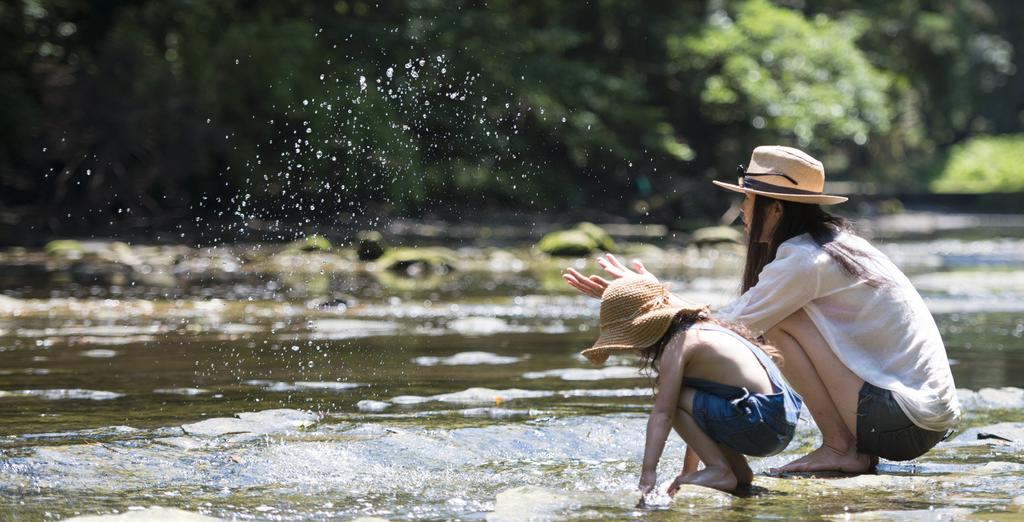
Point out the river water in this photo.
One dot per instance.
(328, 395)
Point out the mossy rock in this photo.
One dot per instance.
(314, 243)
(598, 234)
(68, 248)
(371, 245)
(416, 261)
(709, 236)
(568, 243)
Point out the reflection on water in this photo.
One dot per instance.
(433, 403)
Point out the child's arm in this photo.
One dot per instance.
(659, 424)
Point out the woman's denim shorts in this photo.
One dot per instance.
(753, 424)
(883, 430)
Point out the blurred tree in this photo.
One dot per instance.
(145, 113)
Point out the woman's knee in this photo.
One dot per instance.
(793, 323)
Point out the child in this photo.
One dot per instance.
(718, 389)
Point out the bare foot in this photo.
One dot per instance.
(740, 468)
(744, 475)
(721, 479)
(827, 459)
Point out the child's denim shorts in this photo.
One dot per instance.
(755, 424)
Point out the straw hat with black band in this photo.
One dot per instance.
(636, 312)
(783, 173)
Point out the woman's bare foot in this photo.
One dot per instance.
(826, 458)
(718, 478)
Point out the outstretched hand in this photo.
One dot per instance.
(594, 285)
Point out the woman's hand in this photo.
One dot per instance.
(594, 285)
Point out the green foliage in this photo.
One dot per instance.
(794, 79)
(147, 111)
(984, 164)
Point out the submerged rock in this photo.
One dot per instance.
(587, 374)
(467, 359)
(583, 240)
(910, 514)
(154, 514)
(370, 246)
(691, 496)
(313, 243)
(599, 235)
(418, 261)
(1002, 433)
(259, 423)
(372, 406)
(480, 325)
(68, 248)
(66, 394)
(529, 503)
(992, 398)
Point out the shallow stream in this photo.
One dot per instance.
(462, 399)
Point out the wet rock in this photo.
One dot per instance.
(467, 359)
(415, 262)
(100, 353)
(910, 514)
(495, 413)
(67, 394)
(313, 243)
(996, 433)
(154, 514)
(8, 305)
(992, 398)
(260, 423)
(568, 243)
(370, 245)
(599, 235)
(480, 325)
(372, 406)
(338, 329)
(879, 482)
(190, 392)
(587, 374)
(689, 495)
(487, 395)
(711, 236)
(529, 503)
(65, 249)
(281, 386)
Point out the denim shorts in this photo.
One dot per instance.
(755, 424)
(883, 430)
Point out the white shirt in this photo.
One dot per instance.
(884, 334)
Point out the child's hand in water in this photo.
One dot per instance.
(594, 285)
(648, 480)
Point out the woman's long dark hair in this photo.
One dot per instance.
(682, 321)
(797, 219)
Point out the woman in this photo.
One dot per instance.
(858, 342)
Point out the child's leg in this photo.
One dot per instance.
(717, 472)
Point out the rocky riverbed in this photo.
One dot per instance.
(281, 383)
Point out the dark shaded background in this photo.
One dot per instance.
(179, 115)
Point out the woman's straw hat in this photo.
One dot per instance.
(783, 173)
(635, 312)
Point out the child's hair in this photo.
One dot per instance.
(683, 321)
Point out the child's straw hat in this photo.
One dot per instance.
(635, 312)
